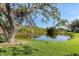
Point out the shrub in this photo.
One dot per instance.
(2, 38)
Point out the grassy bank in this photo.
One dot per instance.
(67, 48)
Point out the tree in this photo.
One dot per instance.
(75, 25)
(13, 15)
(53, 31)
(63, 22)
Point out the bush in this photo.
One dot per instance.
(2, 38)
(26, 32)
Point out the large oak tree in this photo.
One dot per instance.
(13, 15)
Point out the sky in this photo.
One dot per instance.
(67, 11)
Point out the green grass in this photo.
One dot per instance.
(16, 50)
(45, 48)
(68, 48)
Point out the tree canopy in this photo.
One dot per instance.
(75, 25)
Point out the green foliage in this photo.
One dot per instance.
(23, 9)
(17, 50)
(26, 32)
(25, 12)
(75, 25)
(39, 31)
(53, 31)
(3, 38)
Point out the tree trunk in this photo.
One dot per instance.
(9, 15)
(11, 36)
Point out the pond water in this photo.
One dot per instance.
(57, 38)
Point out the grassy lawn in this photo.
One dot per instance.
(44, 48)
(68, 48)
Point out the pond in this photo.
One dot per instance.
(57, 38)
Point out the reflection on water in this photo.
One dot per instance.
(62, 38)
(57, 38)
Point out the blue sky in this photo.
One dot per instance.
(67, 11)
